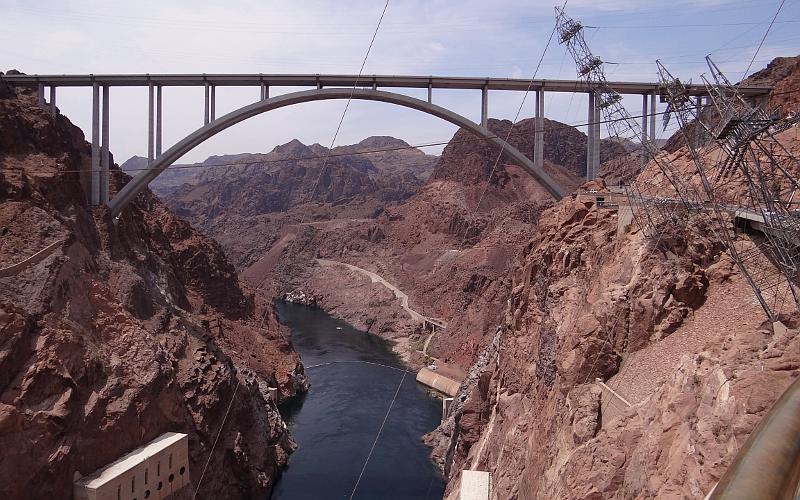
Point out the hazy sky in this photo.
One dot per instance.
(502, 38)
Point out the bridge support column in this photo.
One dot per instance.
(264, 91)
(590, 136)
(596, 142)
(40, 95)
(484, 105)
(538, 132)
(53, 109)
(207, 115)
(593, 139)
(698, 108)
(150, 126)
(94, 178)
(430, 93)
(653, 118)
(105, 157)
(158, 121)
(644, 155)
(213, 102)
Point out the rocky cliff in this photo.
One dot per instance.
(128, 329)
(668, 324)
(245, 205)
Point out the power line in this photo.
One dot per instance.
(211, 453)
(516, 117)
(763, 38)
(377, 436)
(349, 99)
(687, 25)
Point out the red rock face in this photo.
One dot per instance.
(669, 324)
(128, 330)
(563, 145)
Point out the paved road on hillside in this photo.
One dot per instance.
(377, 278)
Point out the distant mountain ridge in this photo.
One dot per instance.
(399, 159)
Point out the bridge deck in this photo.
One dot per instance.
(326, 80)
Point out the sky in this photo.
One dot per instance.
(497, 38)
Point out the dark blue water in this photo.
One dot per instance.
(336, 423)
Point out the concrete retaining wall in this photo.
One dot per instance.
(437, 381)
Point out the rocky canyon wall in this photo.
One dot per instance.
(668, 323)
(129, 329)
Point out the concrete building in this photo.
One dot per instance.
(157, 470)
(475, 485)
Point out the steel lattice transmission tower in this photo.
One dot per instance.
(748, 175)
(664, 197)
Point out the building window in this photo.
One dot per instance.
(145, 476)
(119, 492)
(133, 484)
(171, 478)
(158, 468)
(170, 461)
(183, 469)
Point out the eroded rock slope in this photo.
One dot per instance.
(129, 329)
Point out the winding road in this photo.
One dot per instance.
(377, 278)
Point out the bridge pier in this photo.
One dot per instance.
(484, 105)
(158, 121)
(97, 185)
(40, 95)
(213, 102)
(206, 119)
(430, 93)
(643, 153)
(105, 157)
(593, 139)
(264, 91)
(698, 108)
(53, 110)
(94, 186)
(150, 123)
(538, 133)
(653, 117)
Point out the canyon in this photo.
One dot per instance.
(597, 362)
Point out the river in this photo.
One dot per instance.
(336, 422)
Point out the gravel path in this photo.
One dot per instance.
(729, 308)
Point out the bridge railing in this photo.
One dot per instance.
(768, 465)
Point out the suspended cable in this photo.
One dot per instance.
(516, 116)
(349, 100)
(380, 430)
(211, 453)
(744, 75)
(329, 363)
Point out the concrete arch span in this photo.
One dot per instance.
(143, 179)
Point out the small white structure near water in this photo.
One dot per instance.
(154, 471)
(475, 485)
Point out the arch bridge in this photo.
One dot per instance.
(327, 87)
